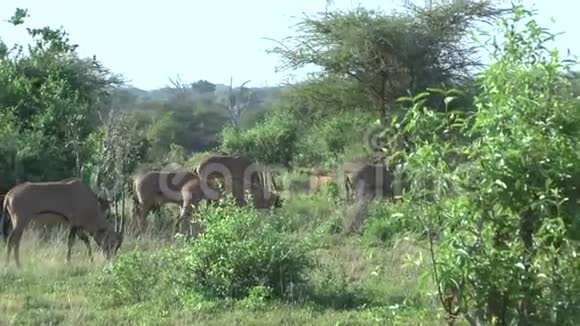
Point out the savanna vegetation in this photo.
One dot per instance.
(485, 232)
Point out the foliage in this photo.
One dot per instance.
(324, 97)
(203, 86)
(388, 54)
(388, 221)
(272, 140)
(191, 116)
(350, 284)
(239, 250)
(133, 278)
(49, 99)
(161, 133)
(237, 102)
(492, 181)
(325, 144)
(286, 137)
(501, 201)
(117, 149)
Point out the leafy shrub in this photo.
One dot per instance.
(295, 182)
(499, 186)
(134, 277)
(310, 211)
(330, 189)
(325, 143)
(388, 219)
(272, 140)
(49, 100)
(241, 254)
(239, 250)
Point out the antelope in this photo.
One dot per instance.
(239, 174)
(373, 180)
(155, 188)
(71, 199)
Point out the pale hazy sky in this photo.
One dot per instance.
(151, 41)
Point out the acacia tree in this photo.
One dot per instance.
(388, 54)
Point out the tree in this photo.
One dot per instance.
(324, 97)
(272, 141)
(117, 148)
(499, 199)
(180, 91)
(236, 102)
(388, 54)
(203, 87)
(50, 100)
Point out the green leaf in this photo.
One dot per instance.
(455, 91)
(420, 96)
(404, 99)
(500, 183)
(436, 90)
(449, 99)
(463, 252)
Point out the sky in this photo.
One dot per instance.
(149, 42)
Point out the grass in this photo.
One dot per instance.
(353, 283)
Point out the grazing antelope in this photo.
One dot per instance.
(46, 221)
(156, 188)
(373, 180)
(239, 174)
(71, 199)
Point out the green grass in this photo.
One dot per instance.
(353, 283)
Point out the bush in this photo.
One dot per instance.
(386, 220)
(325, 143)
(240, 250)
(134, 277)
(499, 186)
(271, 141)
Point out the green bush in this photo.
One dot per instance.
(271, 141)
(302, 212)
(499, 185)
(50, 98)
(386, 220)
(325, 143)
(239, 250)
(134, 277)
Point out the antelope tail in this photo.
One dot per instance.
(4, 222)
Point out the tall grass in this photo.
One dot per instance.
(349, 282)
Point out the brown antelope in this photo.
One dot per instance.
(373, 180)
(156, 188)
(239, 174)
(78, 206)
